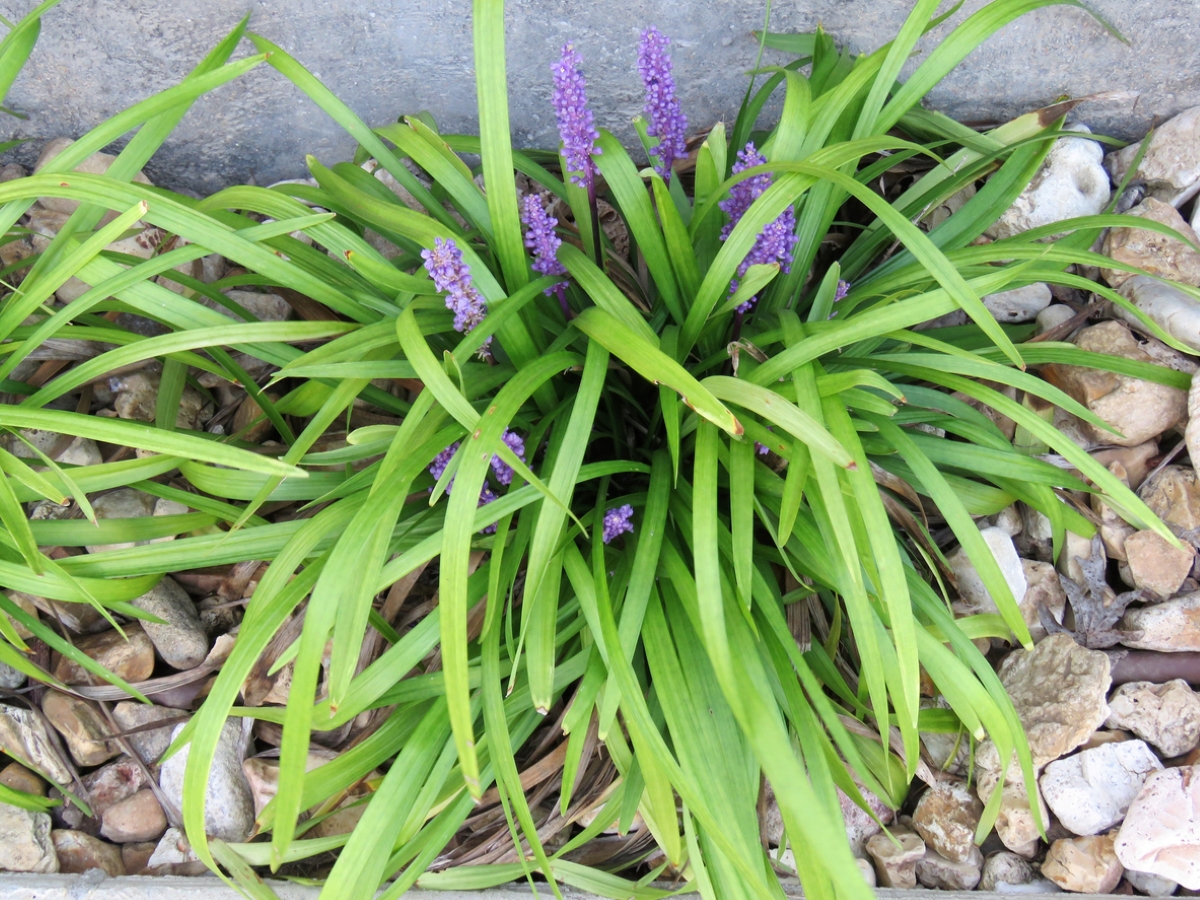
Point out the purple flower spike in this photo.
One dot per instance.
(503, 471)
(438, 466)
(450, 274)
(777, 239)
(576, 126)
(541, 239)
(485, 497)
(666, 120)
(616, 521)
(843, 288)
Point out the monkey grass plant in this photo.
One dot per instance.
(687, 535)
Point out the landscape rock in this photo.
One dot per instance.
(1071, 182)
(1044, 589)
(1053, 316)
(264, 307)
(1086, 865)
(96, 164)
(130, 657)
(1015, 823)
(78, 852)
(124, 503)
(946, 817)
(135, 857)
(1165, 715)
(136, 818)
(1005, 868)
(1020, 304)
(970, 586)
(229, 805)
(82, 728)
(1150, 884)
(19, 778)
(868, 870)
(1157, 566)
(937, 872)
(1191, 434)
(1177, 313)
(24, 737)
(1173, 495)
(81, 618)
(1171, 626)
(1058, 689)
(1137, 461)
(152, 744)
(174, 856)
(1153, 253)
(135, 396)
(181, 642)
(896, 866)
(1090, 791)
(1170, 168)
(263, 777)
(113, 783)
(1161, 831)
(1138, 409)
(11, 678)
(74, 451)
(25, 843)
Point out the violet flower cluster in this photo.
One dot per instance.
(541, 239)
(450, 274)
(776, 241)
(843, 288)
(665, 119)
(617, 521)
(502, 470)
(576, 126)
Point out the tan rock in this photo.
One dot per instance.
(1137, 460)
(1165, 715)
(1113, 529)
(130, 657)
(936, 872)
(173, 855)
(340, 821)
(19, 778)
(1016, 825)
(136, 397)
(1058, 689)
(946, 817)
(1045, 589)
(135, 856)
(1157, 566)
(1086, 865)
(79, 852)
(96, 164)
(82, 727)
(1172, 626)
(23, 736)
(1161, 831)
(136, 818)
(1154, 253)
(1139, 410)
(110, 784)
(27, 605)
(1005, 868)
(1174, 496)
(896, 862)
(25, 844)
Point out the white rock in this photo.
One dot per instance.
(1177, 313)
(971, 587)
(946, 817)
(71, 451)
(1072, 182)
(1161, 831)
(1170, 167)
(1090, 791)
(1020, 304)
(25, 844)
(937, 872)
(1037, 886)
(1191, 434)
(1053, 316)
(1150, 884)
(229, 805)
(1171, 626)
(1166, 715)
(896, 863)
